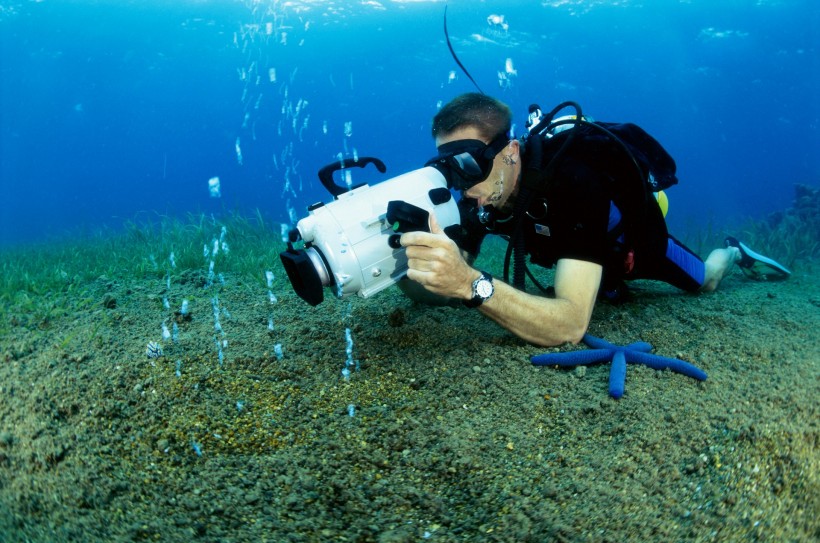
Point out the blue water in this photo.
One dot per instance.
(120, 110)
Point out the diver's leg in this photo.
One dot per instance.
(681, 267)
(718, 263)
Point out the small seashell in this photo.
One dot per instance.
(153, 350)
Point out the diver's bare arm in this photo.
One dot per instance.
(435, 262)
(549, 321)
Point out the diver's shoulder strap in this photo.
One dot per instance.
(532, 173)
(541, 159)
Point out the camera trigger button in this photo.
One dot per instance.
(394, 241)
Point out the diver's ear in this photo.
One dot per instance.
(513, 153)
(515, 148)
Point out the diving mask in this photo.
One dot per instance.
(465, 163)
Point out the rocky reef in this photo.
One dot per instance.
(794, 233)
(806, 209)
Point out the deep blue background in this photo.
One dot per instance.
(115, 110)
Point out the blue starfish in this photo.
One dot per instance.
(634, 353)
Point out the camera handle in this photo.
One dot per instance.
(405, 217)
(326, 173)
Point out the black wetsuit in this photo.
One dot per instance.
(595, 208)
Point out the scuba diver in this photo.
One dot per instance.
(572, 194)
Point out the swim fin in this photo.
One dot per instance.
(756, 265)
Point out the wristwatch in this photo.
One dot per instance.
(483, 290)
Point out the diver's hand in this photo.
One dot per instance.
(435, 262)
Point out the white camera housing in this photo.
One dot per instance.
(347, 241)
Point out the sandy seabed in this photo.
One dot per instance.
(454, 435)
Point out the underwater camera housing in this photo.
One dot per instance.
(352, 244)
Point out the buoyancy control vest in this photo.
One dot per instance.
(637, 166)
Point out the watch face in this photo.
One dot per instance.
(484, 288)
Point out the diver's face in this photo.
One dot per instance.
(499, 187)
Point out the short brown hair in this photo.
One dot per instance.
(490, 116)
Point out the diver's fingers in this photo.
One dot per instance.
(424, 239)
(424, 252)
(435, 227)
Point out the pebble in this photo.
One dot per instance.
(252, 497)
(580, 371)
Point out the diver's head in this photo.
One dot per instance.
(489, 116)
(464, 158)
(485, 171)
(475, 152)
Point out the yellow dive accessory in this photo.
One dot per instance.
(663, 202)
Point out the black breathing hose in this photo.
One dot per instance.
(517, 244)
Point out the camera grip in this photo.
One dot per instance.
(405, 217)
